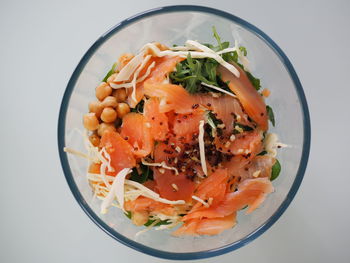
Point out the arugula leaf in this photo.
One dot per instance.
(146, 174)
(217, 37)
(191, 72)
(110, 72)
(262, 153)
(139, 107)
(271, 115)
(255, 81)
(276, 169)
(243, 50)
(244, 127)
(128, 214)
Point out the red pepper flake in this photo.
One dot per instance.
(161, 123)
(195, 106)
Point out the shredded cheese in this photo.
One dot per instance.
(202, 147)
(219, 89)
(162, 164)
(116, 191)
(200, 200)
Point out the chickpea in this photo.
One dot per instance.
(111, 77)
(109, 101)
(103, 127)
(94, 139)
(139, 218)
(96, 107)
(103, 90)
(108, 115)
(120, 94)
(90, 121)
(122, 109)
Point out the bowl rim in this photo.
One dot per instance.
(143, 248)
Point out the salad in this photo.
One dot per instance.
(178, 138)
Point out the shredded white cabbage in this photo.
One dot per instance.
(129, 68)
(116, 191)
(129, 84)
(136, 74)
(162, 164)
(147, 228)
(271, 144)
(153, 195)
(78, 153)
(204, 53)
(242, 58)
(200, 200)
(219, 89)
(201, 147)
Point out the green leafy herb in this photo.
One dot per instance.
(276, 169)
(191, 72)
(255, 81)
(244, 207)
(243, 127)
(139, 107)
(243, 50)
(217, 37)
(263, 153)
(162, 222)
(110, 72)
(270, 115)
(146, 174)
(211, 120)
(128, 214)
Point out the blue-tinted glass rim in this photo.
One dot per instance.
(129, 242)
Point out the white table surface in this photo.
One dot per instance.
(42, 42)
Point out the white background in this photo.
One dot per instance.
(42, 42)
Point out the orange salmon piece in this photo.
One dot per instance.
(120, 151)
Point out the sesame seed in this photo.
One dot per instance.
(221, 126)
(232, 137)
(227, 144)
(175, 188)
(178, 149)
(256, 173)
(161, 170)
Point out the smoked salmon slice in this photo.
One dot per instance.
(158, 121)
(163, 66)
(120, 151)
(251, 192)
(210, 227)
(251, 100)
(137, 133)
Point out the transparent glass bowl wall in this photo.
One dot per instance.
(174, 25)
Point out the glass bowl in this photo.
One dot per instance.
(174, 25)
